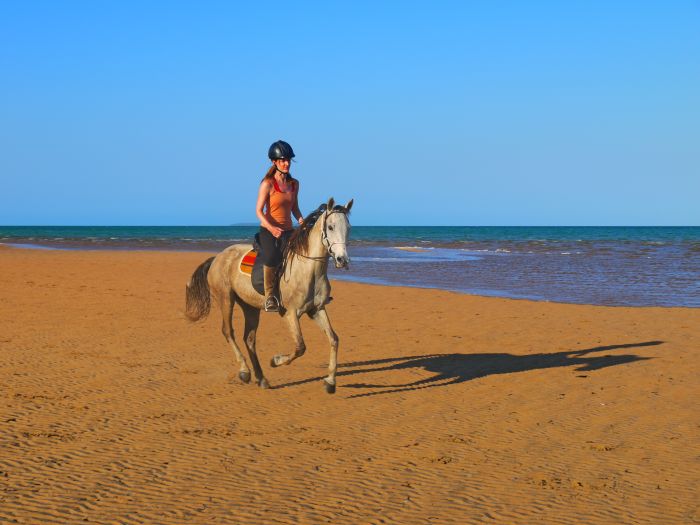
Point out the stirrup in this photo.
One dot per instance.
(272, 304)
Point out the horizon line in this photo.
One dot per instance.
(253, 225)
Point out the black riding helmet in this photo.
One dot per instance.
(280, 150)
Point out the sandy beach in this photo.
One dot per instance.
(450, 408)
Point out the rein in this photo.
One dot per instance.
(321, 258)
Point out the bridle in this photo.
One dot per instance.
(324, 234)
(324, 239)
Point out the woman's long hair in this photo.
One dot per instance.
(271, 173)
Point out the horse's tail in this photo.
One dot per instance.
(198, 298)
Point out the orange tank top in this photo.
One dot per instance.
(279, 206)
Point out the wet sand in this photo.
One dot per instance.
(449, 409)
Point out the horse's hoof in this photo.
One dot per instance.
(273, 363)
(330, 389)
(263, 383)
(244, 376)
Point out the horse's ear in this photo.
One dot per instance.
(330, 204)
(349, 205)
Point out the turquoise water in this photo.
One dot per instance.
(445, 236)
(632, 266)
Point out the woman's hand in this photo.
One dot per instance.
(300, 220)
(275, 231)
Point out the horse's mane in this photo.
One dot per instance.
(299, 240)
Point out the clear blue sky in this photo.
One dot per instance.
(456, 113)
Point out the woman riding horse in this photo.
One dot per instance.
(277, 201)
(304, 288)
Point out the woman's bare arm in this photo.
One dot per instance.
(295, 209)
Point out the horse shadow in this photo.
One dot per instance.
(454, 368)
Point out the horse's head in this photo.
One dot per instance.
(336, 230)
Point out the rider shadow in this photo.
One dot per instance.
(451, 369)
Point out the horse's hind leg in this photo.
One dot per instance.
(252, 320)
(321, 318)
(226, 302)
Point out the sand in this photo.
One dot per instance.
(449, 409)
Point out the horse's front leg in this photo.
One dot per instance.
(292, 320)
(321, 318)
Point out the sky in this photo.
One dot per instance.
(426, 113)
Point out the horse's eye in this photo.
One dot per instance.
(330, 228)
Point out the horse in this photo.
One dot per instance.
(303, 289)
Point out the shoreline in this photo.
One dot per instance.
(333, 278)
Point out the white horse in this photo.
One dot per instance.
(303, 288)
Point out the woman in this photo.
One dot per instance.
(277, 201)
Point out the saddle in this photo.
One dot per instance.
(252, 265)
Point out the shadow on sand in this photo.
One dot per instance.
(450, 369)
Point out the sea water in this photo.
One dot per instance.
(615, 266)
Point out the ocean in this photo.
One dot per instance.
(611, 266)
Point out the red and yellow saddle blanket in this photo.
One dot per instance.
(247, 262)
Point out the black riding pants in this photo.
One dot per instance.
(273, 249)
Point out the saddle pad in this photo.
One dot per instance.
(248, 261)
(251, 265)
